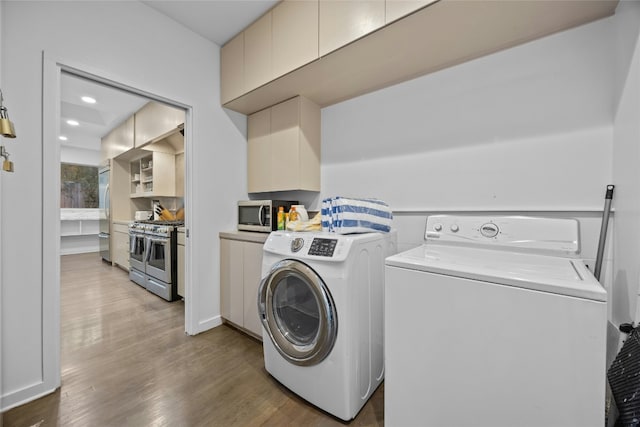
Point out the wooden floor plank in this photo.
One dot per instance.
(126, 361)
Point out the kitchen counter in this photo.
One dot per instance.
(70, 214)
(244, 236)
(122, 221)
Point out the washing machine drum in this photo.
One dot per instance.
(298, 313)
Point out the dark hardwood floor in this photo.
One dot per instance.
(126, 361)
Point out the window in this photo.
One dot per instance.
(79, 186)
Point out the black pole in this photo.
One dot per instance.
(603, 230)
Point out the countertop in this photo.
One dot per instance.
(245, 236)
(69, 214)
(122, 221)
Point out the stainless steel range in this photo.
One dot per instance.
(153, 256)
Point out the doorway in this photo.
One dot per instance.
(54, 72)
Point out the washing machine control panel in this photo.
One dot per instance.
(323, 247)
(548, 235)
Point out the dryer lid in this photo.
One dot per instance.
(553, 274)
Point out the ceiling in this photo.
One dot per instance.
(215, 20)
(112, 107)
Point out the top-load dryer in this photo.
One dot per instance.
(321, 305)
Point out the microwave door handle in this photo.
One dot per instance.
(260, 215)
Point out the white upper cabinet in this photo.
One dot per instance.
(259, 151)
(343, 21)
(119, 140)
(396, 9)
(155, 120)
(295, 35)
(258, 68)
(232, 69)
(283, 151)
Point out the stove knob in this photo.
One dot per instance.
(437, 227)
(455, 228)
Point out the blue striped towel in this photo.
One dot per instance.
(344, 215)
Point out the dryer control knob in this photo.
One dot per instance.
(437, 227)
(455, 228)
(297, 244)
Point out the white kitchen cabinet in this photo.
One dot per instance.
(398, 50)
(284, 147)
(240, 273)
(181, 266)
(155, 120)
(232, 69)
(153, 175)
(396, 9)
(258, 67)
(294, 35)
(119, 140)
(259, 151)
(343, 21)
(120, 245)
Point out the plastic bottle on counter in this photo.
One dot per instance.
(293, 215)
(281, 224)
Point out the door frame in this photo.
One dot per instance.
(52, 68)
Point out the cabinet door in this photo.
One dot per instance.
(154, 120)
(396, 9)
(121, 249)
(125, 135)
(231, 281)
(232, 69)
(259, 172)
(285, 137)
(343, 21)
(295, 35)
(257, 53)
(252, 275)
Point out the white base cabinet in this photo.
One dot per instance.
(240, 273)
(120, 246)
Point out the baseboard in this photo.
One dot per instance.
(205, 325)
(25, 395)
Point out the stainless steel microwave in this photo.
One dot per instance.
(261, 215)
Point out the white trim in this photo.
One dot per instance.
(25, 395)
(50, 222)
(210, 323)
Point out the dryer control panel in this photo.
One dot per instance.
(323, 247)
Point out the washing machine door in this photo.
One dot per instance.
(298, 313)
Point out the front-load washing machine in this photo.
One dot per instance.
(321, 304)
(494, 321)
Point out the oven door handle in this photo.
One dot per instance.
(163, 240)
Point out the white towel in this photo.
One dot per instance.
(349, 215)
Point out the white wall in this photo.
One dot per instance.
(528, 128)
(80, 156)
(626, 170)
(132, 44)
(526, 131)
